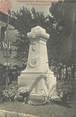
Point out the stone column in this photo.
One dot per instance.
(37, 74)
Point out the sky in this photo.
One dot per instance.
(39, 5)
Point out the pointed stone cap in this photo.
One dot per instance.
(37, 33)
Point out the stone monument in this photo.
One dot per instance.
(37, 76)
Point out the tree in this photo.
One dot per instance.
(61, 45)
(59, 26)
(70, 13)
(25, 20)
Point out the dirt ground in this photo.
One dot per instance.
(56, 109)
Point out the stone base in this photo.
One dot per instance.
(41, 84)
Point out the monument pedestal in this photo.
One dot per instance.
(37, 76)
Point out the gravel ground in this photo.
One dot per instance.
(56, 109)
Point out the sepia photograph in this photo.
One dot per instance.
(37, 58)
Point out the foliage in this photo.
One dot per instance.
(25, 20)
(60, 34)
(56, 25)
(10, 92)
